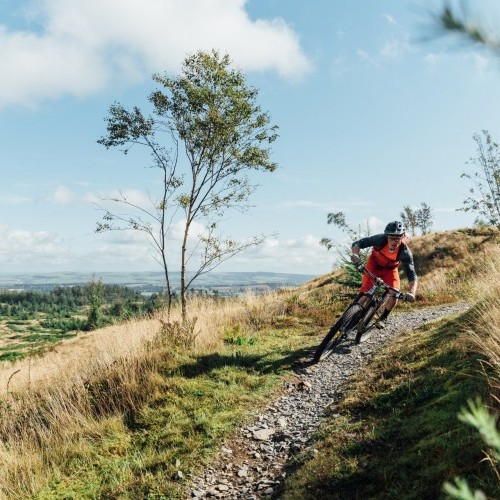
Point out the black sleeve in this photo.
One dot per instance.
(406, 258)
(377, 240)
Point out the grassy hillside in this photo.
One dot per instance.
(396, 434)
(121, 411)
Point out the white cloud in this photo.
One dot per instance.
(83, 47)
(62, 195)
(390, 19)
(38, 67)
(366, 57)
(392, 49)
(20, 247)
(374, 224)
(302, 255)
(395, 48)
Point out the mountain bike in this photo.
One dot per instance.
(360, 317)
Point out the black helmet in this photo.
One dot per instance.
(395, 228)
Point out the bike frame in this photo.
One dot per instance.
(375, 299)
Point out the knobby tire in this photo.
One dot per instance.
(338, 331)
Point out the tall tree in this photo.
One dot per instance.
(424, 218)
(484, 197)
(409, 218)
(215, 134)
(338, 219)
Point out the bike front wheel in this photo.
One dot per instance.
(338, 332)
(369, 321)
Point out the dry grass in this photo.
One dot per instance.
(80, 357)
(484, 331)
(448, 262)
(77, 357)
(57, 400)
(471, 269)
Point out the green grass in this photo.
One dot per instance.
(30, 343)
(396, 434)
(197, 402)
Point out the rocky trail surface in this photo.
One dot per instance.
(251, 465)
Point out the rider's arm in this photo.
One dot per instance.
(376, 240)
(409, 267)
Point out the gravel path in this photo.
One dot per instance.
(251, 465)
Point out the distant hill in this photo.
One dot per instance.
(226, 283)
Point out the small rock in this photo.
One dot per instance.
(282, 422)
(263, 434)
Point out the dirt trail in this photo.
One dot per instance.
(251, 464)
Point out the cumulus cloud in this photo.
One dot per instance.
(82, 47)
(304, 255)
(21, 247)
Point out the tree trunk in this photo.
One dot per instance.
(169, 291)
(183, 275)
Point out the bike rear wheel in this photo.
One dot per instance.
(338, 332)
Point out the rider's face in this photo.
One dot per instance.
(394, 242)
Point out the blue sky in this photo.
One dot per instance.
(372, 117)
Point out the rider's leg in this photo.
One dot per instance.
(391, 277)
(362, 299)
(389, 306)
(390, 303)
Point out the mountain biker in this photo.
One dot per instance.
(388, 251)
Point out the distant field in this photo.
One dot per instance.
(230, 283)
(39, 310)
(19, 338)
